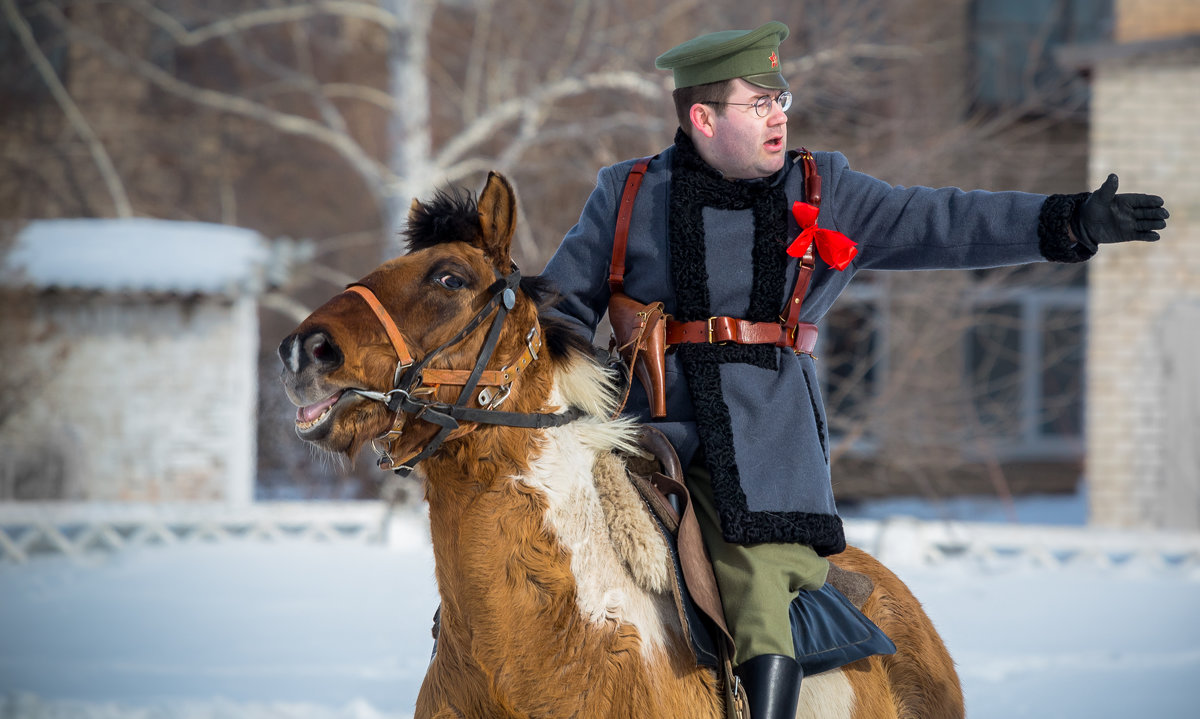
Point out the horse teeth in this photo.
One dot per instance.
(315, 422)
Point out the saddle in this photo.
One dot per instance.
(829, 629)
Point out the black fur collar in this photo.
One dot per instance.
(695, 185)
(688, 158)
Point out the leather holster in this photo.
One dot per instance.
(640, 336)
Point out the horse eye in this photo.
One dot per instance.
(451, 282)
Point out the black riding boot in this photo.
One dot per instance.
(772, 685)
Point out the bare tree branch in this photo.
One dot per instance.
(104, 164)
(476, 61)
(376, 174)
(285, 305)
(840, 53)
(330, 275)
(271, 16)
(532, 106)
(362, 93)
(571, 42)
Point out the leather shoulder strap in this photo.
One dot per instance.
(616, 269)
(812, 180)
(812, 195)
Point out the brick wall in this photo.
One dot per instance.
(142, 400)
(1145, 115)
(1152, 19)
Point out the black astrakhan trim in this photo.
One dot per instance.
(694, 187)
(1054, 222)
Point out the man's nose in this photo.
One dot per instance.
(776, 115)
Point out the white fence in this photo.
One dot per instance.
(901, 541)
(82, 531)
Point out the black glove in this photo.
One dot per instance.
(1106, 217)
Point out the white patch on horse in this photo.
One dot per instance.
(827, 696)
(294, 364)
(588, 386)
(606, 592)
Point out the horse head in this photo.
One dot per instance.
(416, 351)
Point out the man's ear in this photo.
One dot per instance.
(702, 117)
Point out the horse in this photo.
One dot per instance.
(552, 578)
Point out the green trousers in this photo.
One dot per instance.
(757, 581)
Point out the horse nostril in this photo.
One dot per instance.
(289, 353)
(321, 350)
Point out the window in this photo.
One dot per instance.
(1021, 349)
(1013, 44)
(1025, 360)
(853, 360)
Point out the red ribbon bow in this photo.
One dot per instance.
(835, 249)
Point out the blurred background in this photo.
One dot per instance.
(181, 182)
(314, 124)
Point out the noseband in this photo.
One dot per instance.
(413, 383)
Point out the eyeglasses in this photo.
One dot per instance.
(762, 105)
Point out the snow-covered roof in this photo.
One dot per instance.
(137, 255)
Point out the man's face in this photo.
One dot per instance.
(744, 145)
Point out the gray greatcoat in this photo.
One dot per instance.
(705, 246)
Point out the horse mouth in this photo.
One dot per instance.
(314, 420)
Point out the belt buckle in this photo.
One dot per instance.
(710, 329)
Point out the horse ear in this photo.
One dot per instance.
(415, 210)
(498, 219)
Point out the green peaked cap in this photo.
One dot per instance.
(751, 55)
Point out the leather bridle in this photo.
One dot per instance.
(414, 383)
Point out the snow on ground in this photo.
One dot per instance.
(1076, 642)
(318, 630)
(173, 628)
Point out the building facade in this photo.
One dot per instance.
(1143, 417)
(136, 375)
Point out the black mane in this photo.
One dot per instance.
(451, 216)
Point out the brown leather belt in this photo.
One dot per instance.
(715, 330)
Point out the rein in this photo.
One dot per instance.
(410, 378)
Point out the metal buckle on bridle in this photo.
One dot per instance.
(380, 444)
(489, 401)
(529, 336)
(401, 368)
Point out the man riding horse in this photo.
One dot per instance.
(722, 232)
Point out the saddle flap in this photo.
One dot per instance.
(828, 631)
(697, 568)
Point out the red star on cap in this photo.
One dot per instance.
(774, 60)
